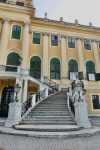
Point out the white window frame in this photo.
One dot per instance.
(91, 76)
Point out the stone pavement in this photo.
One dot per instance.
(12, 142)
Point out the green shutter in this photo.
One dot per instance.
(54, 40)
(36, 38)
(80, 74)
(16, 32)
(13, 59)
(90, 68)
(35, 67)
(95, 100)
(98, 76)
(55, 68)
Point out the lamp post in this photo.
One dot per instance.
(78, 88)
(20, 60)
(17, 89)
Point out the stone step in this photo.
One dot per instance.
(49, 111)
(34, 114)
(51, 107)
(49, 117)
(56, 120)
(49, 128)
(47, 123)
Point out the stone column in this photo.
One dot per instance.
(25, 90)
(45, 54)
(64, 60)
(4, 40)
(81, 58)
(25, 45)
(96, 55)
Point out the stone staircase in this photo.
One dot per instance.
(51, 115)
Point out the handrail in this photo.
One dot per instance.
(52, 84)
(40, 95)
(71, 104)
(26, 105)
(34, 74)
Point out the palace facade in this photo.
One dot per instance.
(49, 48)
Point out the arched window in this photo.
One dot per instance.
(90, 68)
(73, 67)
(35, 67)
(54, 68)
(13, 59)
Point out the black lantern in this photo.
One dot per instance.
(17, 89)
(20, 60)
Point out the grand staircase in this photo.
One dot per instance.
(51, 115)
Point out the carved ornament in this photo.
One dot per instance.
(94, 40)
(6, 20)
(62, 35)
(78, 38)
(27, 23)
(45, 33)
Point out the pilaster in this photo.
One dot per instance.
(25, 45)
(81, 58)
(96, 55)
(4, 40)
(45, 53)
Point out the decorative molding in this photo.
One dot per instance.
(14, 47)
(66, 25)
(27, 23)
(45, 33)
(6, 20)
(62, 35)
(78, 38)
(94, 40)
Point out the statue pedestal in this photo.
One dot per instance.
(81, 114)
(14, 114)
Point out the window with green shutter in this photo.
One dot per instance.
(35, 67)
(71, 42)
(95, 100)
(12, 59)
(73, 67)
(90, 68)
(87, 45)
(20, 3)
(36, 38)
(3, 1)
(54, 68)
(16, 32)
(54, 40)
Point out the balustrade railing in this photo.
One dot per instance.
(9, 68)
(52, 84)
(26, 105)
(71, 104)
(18, 3)
(40, 95)
(34, 74)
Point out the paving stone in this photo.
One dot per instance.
(11, 142)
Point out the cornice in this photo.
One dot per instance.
(65, 25)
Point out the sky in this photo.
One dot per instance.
(84, 10)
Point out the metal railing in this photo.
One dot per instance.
(15, 3)
(40, 95)
(26, 105)
(71, 104)
(9, 68)
(34, 74)
(54, 86)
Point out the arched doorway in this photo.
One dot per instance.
(7, 97)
